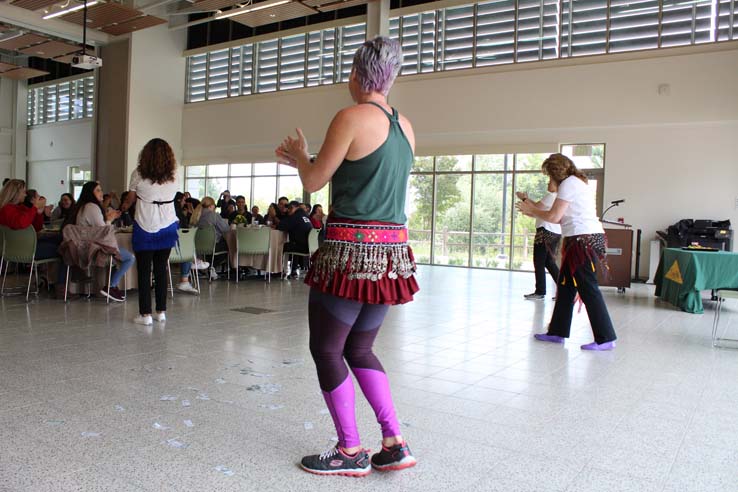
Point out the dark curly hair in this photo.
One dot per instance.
(156, 162)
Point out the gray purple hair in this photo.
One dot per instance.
(377, 63)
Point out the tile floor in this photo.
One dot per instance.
(483, 406)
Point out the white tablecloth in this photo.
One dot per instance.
(277, 240)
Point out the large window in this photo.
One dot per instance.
(260, 183)
(461, 210)
(466, 36)
(69, 100)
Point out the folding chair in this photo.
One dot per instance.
(721, 296)
(19, 246)
(184, 252)
(205, 241)
(313, 246)
(254, 242)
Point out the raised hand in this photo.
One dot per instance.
(111, 215)
(292, 149)
(526, 208)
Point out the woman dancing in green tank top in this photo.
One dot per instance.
(365, 264)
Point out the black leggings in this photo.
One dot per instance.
(543, 259)
(160, 259)
(584, 282)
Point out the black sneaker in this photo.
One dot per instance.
(398, 457)
(534, 296)
(336, 462)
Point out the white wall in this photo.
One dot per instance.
(156, 90)
(670, 156)
(52, 150)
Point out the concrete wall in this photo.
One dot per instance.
(7, 109)
(112, 116)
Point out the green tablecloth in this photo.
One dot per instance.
(683, 274)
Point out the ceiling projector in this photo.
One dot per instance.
(86, 61)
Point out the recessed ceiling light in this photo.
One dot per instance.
(272, 15)
(65, 10)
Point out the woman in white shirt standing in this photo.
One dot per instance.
(545, 244)
(88, 212)
(155, 224)
(584, 249)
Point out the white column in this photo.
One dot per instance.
(156, 90)
(377, 18)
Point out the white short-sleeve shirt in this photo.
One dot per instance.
(581, 214)
(149, 216)
(547, 202)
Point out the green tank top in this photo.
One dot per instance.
(374, 187)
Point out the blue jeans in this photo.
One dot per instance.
(126, 261)
(184, 269)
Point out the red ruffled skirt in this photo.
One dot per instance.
(365, 261)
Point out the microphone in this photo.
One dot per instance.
(613, 203)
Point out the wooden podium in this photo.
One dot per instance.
(619, 256)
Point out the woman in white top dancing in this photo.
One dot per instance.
(584, 249)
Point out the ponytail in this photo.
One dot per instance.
(195, 218)
(206, 202)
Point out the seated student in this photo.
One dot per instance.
(190, 204)
(224, 203)
(179, 209)
(15, 215)
(16, 212)
(282, 204)
(317, 216)
(297, 224)
(32, 197)
(107, 203)
(205, 215)
(89, 212)
(272, 216)
(255, 215)
(126, 216)
(184, 284)
(240, 210)
(66, 204)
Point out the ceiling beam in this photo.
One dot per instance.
(27, 19)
